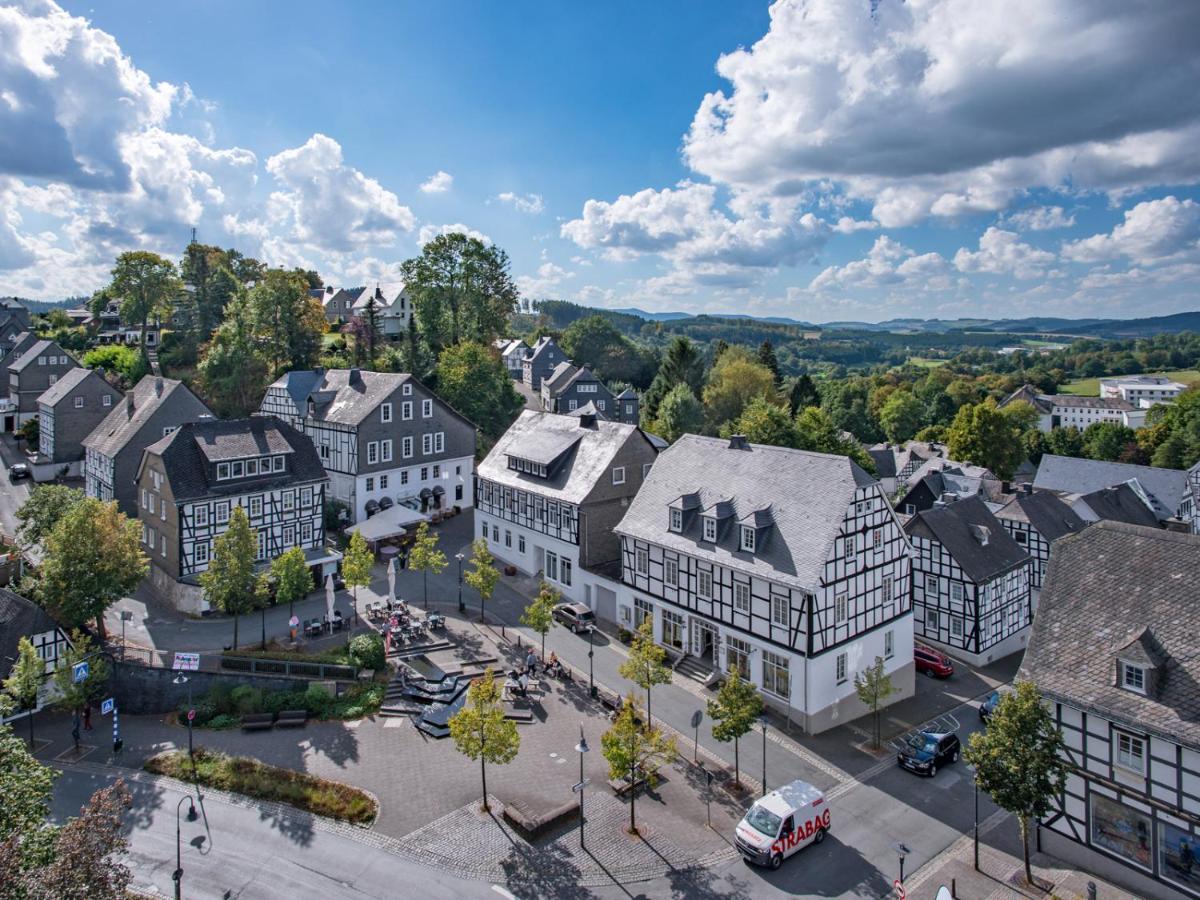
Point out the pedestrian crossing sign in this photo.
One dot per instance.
(106, 707)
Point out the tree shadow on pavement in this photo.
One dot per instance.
(697, 883)
(334, 741)
(294, 825)
(854, 874)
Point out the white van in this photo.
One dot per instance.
(782, 822)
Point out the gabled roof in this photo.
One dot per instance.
(1144, 648)
(1045, 512)
(544, 343)
(19, 618)
(20, 343)
(386, 293)
(1029, 394)
(29, 357)
(188, 452)
(122, 424)
(961, 528)
(342, 294)
(67, 384)
(885, 461)
(586, 452)
(1165, 487)
(560, 376)
(947, 467)
(808, 494)
(345, 396)
(1104, 588)
(1078, 401)
(627, 394)
(1119, 503)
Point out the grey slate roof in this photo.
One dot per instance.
(564, 373)
(187, 452)
(592, 449)
(958, 526)
(340, 401)
(119, 427)
(70, 380)
(1082, 476)
(808, 495)
(885, 461)
(1081, 402)
(1119, 503)
(1043, 510)
(1104, 587)
(1029, 394)
(19, 618)
(27, 358)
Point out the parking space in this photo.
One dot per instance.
(944, 724)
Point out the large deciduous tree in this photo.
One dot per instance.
(228, 582)
(74, 695)
(901, 416)
(47, 504)
(473, 380)
(233, 372)
(145, 284)
(293, 581)
(764, 422)
(735, 380)
(287, 321)
(981, 434)
(480, 731)
(681, 364)
(595, 342)
(679, 413)
(209, 286)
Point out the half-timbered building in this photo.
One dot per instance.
(1113, 651)
(1035, 521)
(190, 481)
(971, 592)
(22, 618)
(549, 493)
(788, 566)
(383, 437)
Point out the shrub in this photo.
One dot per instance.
(246, 699)
(224, 720)
(317, 700)
(219, 698)
(624, 635)
(367, 652)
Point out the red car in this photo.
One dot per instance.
(932, 662)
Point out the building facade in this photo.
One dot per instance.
(512, 352)
(1113, 653)
(541, 360)
(67, 413)
(789, 566)
(382, 437)
(33, 373)
(570, 387)
(22, 618)
(1035, 521)
(393, 306)
(1142, 390)
(971, 582)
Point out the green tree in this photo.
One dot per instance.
(482, 575)
(901, 416)
(982, 435)
(1172, 453)
(228, 582)
(763, 422)
(816, 432)
(803, 394)
(473, 380)
(26, 786)
(426, 557)
(1065, 442)
(93, 558)
(46, 506)
(210, 285)
(480, 731)
(734, 711)
(462, 291)
(646, 664)
(287, 321)
(734, 381)
(635, 751)
(26, 677)
(145, 284)
(679, 413)
(233, 372)
(125, 362)
(357, 565)
(767, 357)
(874, 686)
(681, 364)
(1107, 440)
(261, 601)
(595, 342)
(72, 696)
(1018, 759)
(539, 614)
(292, 578)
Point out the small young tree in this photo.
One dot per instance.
(1018, 759)
(647, 662)
(539, 614)
(356, 566)
(874, 686)
(480, 731)
(26, 786)
(72, 696)
(228, 582)
(25, 679)
(734, 712)
(425, 556)
(635, 751)
(292, 578)
(482, 575)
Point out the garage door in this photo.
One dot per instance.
(606, 604)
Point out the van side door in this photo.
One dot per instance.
(788, 837)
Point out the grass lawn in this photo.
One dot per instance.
(242, 775)
(1090, 387)
(926, 363)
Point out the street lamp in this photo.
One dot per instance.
(126, 616)
(975, 783)
(461, 606)
(591, 665)
(762, 720)
(901, 851)
(177, 875)
(581, 748)
(181, 680)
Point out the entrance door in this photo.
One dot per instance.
(701, 637)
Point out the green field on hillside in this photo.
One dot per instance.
(926, 363)
(1090, 387)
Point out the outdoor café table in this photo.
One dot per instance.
(389, 551)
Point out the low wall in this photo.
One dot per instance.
(142, 690)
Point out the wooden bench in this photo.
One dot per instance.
(532, 826)
(258, 721)
(292, 718)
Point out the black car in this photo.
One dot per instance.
(924, 751)
(18, 471)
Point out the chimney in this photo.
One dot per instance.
(355, 377)
(129, 404)
(738, 442)
(1026, 488)
(587, 420)
(319, 371)
(158, 385)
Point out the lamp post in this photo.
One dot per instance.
(975, 782)
(901, 851)
(762, 720)
(461, 606)
(581, 748)
(177, 875)
(591, 665)
(181, 680)
(126, 616)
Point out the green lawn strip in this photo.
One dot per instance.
(1090, 387)
(242, 775)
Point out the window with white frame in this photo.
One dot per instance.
(370, 485)
(564, 574)
(439, 442)
(262, 545)
(704, 584)
(383, 482)
(677, 520)
(406, 390)
(106, 400)
(256, 507)
(385, 449)
(710, 528)
(426, 409)
(552, 566)
(849, 545)
(671, 572)
(385, 412)
(618, 475)
(372, 453)
(841, 668)
(931, 620)
(222, 512)
(406, 447)
(877, 539)
(956, 591)
(201, 553)
(642, 610)
(289, 500)
(741, 597)
(840, 612)
(222, 471)
(889, 644)
(932, 584)
(289, 536)
(747, 539)
(201, 516)
(427, 444)
(737, 656)
(520, 543)
(776, 678)
(1021, 537)
(887, 588)
(406, 410)
(642, 561)
(956, 626)
(780, 610)
(79, 403)
(1131, 752)
(1133, 677)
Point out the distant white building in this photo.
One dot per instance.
(393, 306)
(1079, 411)
(1142, 390)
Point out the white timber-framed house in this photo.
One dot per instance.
(1035, 520)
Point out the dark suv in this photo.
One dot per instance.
(575, 616)
(924, 751)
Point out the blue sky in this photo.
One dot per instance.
(809, 159)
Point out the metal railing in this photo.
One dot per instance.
(292, 668)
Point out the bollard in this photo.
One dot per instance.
(1091, 889)
(953, 889)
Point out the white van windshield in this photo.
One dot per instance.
(763, 820)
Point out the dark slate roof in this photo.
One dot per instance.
(1119, 503)
(68, 382)
(627, 394)
(341, 400)
(1078, 401)
(120, 426)
(561, 376)
(19, 618)
(1104, 587)
(41, 348)
(885, 461)
(543, 436)
(20, 343)
(1045, 512)
(958, 527)
(187, 452)
(1030, 395)
(1082, 476)
(808, 495)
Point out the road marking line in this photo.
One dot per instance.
(503, 893)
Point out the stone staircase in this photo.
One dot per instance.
(696, 670)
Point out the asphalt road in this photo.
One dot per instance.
(11, 495)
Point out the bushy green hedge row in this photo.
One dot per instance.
(223, 706)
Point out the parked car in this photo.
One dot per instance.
(781, 823)
(18, 472)
(924, 751)
(574, 616)
(932, 662)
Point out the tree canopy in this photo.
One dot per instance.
(473, 380)
(982, 435)
(145, 284)
(480, 730)
(228, 582)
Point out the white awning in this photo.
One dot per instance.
(387, 523)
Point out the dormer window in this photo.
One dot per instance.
(710, 528)
(677, 520)
(747, 542)
(1133, 678)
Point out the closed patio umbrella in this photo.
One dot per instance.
(391, 581)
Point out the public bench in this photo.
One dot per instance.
(532, 825)
(258, 721)
(292, 718)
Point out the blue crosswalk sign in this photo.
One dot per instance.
(106, 706)
(80, 671)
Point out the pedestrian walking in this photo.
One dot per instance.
(87, 716)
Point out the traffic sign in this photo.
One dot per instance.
(191, 715)
(106, 706)
(580, 785)
(899, 886)
(80, 671)
(186, 662)
(697, 718)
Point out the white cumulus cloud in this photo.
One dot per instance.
(1040, 218)
(438, 183)
(429, 232)
(526, 203)
(1003, 253)
(1153, 231)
